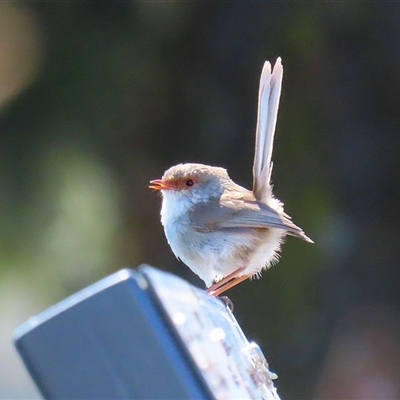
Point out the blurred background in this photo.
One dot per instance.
(97, 98)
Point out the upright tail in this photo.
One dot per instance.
(268, 104)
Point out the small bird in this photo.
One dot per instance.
(223, 232)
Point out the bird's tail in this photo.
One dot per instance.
(268, 104)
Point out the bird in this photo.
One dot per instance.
(222, 231)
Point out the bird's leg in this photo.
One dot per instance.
(223, 281)
(233, 282)
(212, 289)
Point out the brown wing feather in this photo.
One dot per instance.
(244, 211)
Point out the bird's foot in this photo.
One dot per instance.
(228, 302)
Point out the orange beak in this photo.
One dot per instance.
(159, 184)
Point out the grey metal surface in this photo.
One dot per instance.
(108, 341)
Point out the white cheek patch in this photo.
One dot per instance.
(177, 203)
(174, 205)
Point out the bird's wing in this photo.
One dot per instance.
(268, 104)
(230, 214)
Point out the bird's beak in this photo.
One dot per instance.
(159, 184)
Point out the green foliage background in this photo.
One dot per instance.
(110, 94)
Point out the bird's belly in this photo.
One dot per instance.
(213, 255)
(210, 255)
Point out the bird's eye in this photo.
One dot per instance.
(189, 182)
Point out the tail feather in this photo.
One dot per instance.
(268, 104)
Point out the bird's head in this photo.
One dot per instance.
(195, 182)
